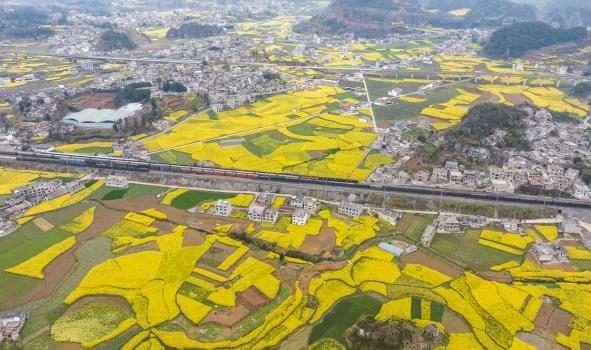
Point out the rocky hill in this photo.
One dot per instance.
(194, 30)
(364, 18)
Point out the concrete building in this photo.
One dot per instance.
(7, 227)
(421, 176)
(265, 198)
(439, 175)
(222, 208)
(398, 248)
(37, 189)
(456, 177)
(300, 217)
(308, 203)
(260, 213)
(449, 224)
(428, 235)
(350, 209)
(549, 253)
(581, 191)
(117, 181)
(75, 186)
(11, 325)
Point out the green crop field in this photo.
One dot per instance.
(134, 190)
(192, 198)
(344, 315)
(465, 250)
(413, 226)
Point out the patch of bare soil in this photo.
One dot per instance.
(104, 219)
(498, 276)
(97, 100)
(420, 257)
(253, 299)
(298, 340)
(551, 320)
(69, 346)
(516, 99)
(43, 224)
(317, 244)
(228, 317)
(193, 238)
(486, 97)
(454, 323)
(536, 340)
(562, 267)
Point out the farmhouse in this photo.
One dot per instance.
(259, 213)
(7, 227)
(307, 203)
(549, 253)
(350, 209)
(449, 224)
(439, 175)
(37, 189)
(300, 217)
(117, 181)
(11, 325)
(222, 208)
(75, 186)
(265, 198)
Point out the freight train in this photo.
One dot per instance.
(147, 166)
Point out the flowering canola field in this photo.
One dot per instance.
(291, 133)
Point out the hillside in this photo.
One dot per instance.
(517, 39)
(113, 40)
(26, 22)
(482, 122)
(193, 30)
(364, 18)
(481, 13)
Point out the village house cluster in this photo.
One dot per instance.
(25, 197)
(264, 210)
(548, 167)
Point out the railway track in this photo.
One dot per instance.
(103, 162)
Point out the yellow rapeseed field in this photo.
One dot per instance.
(34, 267)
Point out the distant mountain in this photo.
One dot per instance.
(364, 18)
(517, 39)
(481, 13)
(569, 13)
(27, 22)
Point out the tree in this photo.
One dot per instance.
(173, 86)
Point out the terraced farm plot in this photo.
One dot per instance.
(181, 288)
